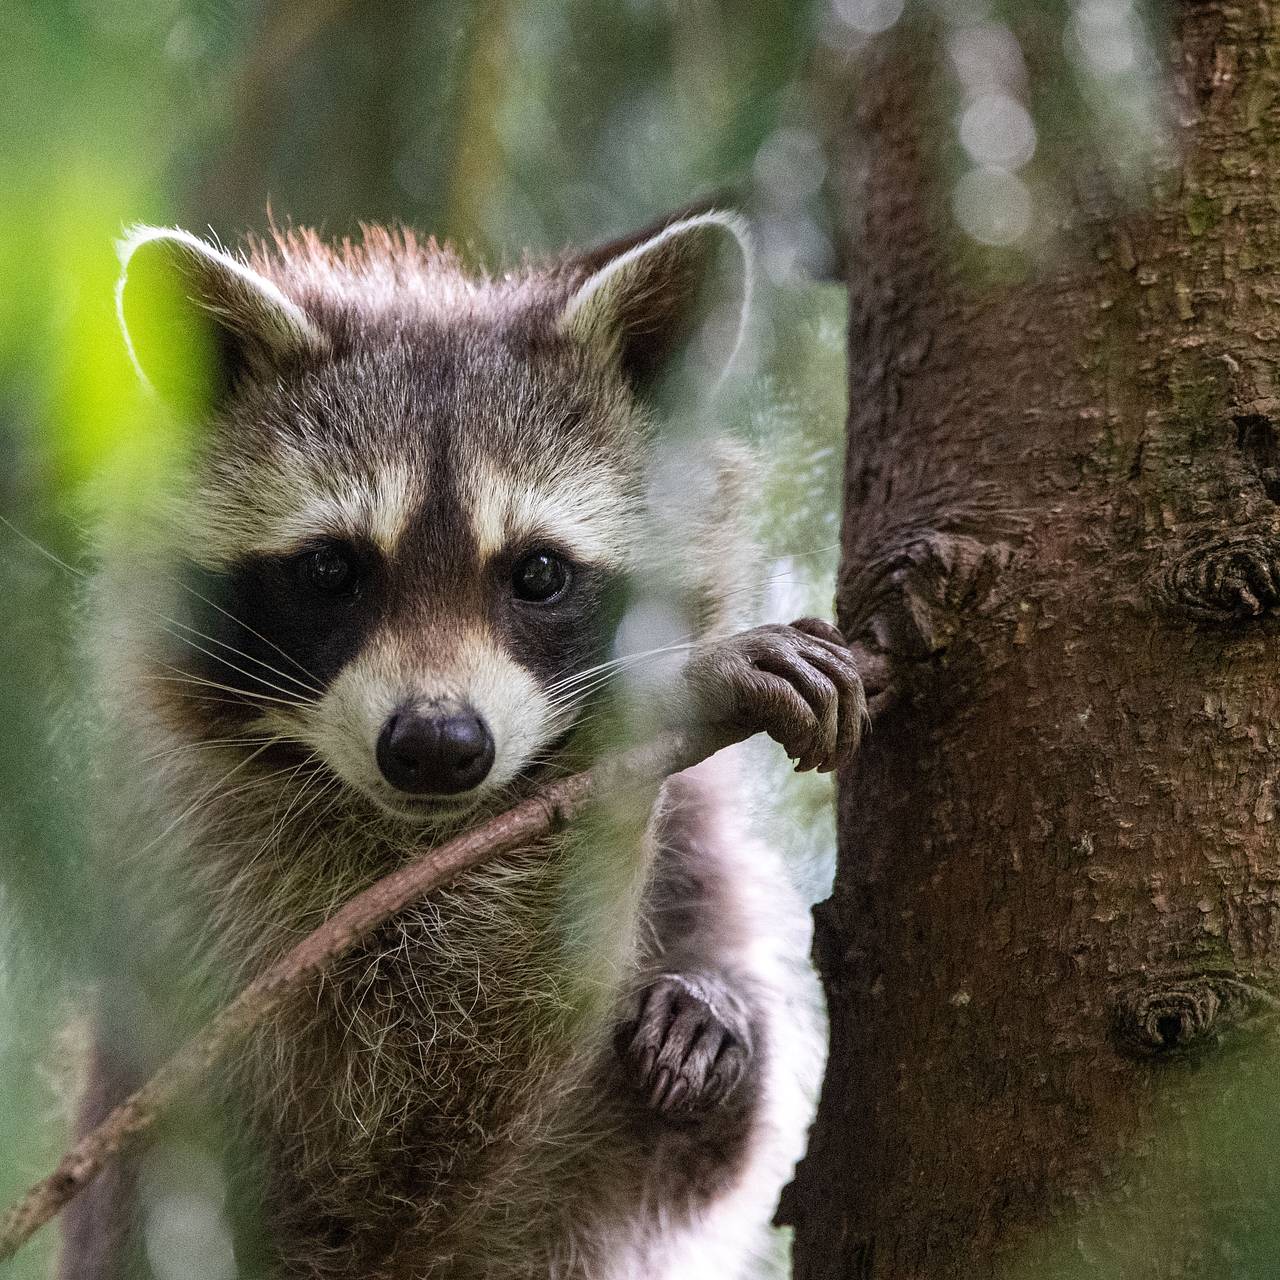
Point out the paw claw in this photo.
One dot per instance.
(675, 1095)
(657, 1094)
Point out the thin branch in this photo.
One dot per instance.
(546, 811)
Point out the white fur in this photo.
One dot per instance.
(290, 500)
(378, 509)
(585, 509)
(468, 669)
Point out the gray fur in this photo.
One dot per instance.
(456, 1098)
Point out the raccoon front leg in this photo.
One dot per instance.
(687, 1033)
(690, 1034)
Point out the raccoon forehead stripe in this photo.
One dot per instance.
(591, 514)
(286, 505)
(379, 507)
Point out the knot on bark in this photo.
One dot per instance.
(1173, 1016)
(1231, 578)
(916, 594)
(1257, 441)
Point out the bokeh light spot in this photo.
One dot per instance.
(1104, 33)
(986, 57)
(870, 16)
(997, 132)
(992, 206)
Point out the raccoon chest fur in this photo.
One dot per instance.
(457, 1029)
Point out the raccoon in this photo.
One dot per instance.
(378, 605)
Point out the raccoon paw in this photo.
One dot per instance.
(687, 1045)
(796, 683)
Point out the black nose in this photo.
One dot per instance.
(435, 754)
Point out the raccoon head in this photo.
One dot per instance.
(417, 496)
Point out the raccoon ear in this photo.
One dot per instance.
(176, 291)
(677, 292)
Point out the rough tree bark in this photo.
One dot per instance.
(1058, 899)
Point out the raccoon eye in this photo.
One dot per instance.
(330, 569)
(540, 578)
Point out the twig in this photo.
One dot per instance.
(542, 813)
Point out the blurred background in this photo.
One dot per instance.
(507, 127)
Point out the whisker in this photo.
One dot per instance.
(200, 800)
(311, 685)
(257, 783)
(44, 551)
(317, 794)
(334, 786)
(571, 695)
(248, 865)
(812, 551)
(308, 688)
(220, 702)
(618, 664)
(205, 744)
(307, 701)
(614, 664)
(186, 677)
(278, 824)
(288, 657)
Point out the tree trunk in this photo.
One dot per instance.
(1056, 918)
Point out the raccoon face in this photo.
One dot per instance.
(417, 497)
